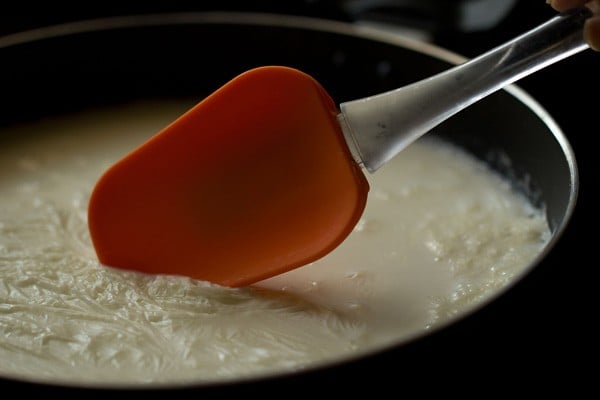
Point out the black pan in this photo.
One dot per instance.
(66, 68)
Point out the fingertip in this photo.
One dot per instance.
(592, 32)
(564, 5)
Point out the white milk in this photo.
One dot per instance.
(440, 234)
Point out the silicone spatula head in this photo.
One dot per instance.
(253, 181)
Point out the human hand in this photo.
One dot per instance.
(591, 29)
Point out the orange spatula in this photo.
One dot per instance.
(253, 181)
(265, 175)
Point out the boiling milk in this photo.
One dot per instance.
(441, 233)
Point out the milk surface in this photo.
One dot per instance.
(441, 234)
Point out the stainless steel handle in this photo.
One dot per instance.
(377, 128)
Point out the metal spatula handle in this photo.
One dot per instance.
(379, 127)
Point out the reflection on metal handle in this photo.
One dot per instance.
(379, 127)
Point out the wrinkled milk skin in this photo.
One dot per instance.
(440, 234)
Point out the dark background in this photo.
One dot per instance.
(545, 344)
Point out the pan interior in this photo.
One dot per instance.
(107, 79)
